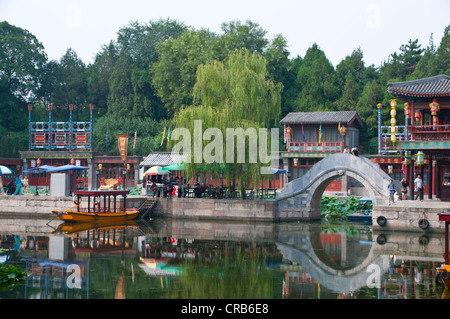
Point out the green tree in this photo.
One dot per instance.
(409, 56)
(174, 74)
(21, 58)
(282, 70)
(71, 87)
(120, 98)
(98, 74)
(317, 79)
(248, 35)
(443, 53)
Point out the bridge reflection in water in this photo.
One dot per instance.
(175, 259)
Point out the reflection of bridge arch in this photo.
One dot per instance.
(303, 249)
(300, 199)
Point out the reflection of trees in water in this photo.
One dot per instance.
(235, 276)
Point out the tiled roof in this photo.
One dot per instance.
(438, 85)
(162, 159)
(321, 117)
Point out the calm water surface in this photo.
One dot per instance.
(173, 259)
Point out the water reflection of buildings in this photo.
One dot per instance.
(305, 260)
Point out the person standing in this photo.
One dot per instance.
(391, 189)
(404, 188)
(18, 185)
(419, 187)
(25, 184)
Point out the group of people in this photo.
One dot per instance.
(354, 151)
(418, 188)
(21, 184)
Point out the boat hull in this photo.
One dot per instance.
(76, 216)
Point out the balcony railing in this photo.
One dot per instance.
(429, 132)
(315, 147)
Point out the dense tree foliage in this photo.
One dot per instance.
(142, 79)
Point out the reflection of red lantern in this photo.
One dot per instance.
(418, 115)
(434, 107)
(343, 130)
(435, 120)
(407, 110)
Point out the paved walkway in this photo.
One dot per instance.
(426, 203)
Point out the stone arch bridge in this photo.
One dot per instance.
(300, 199)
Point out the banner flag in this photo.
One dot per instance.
(320, 133)
(123, 139)
(135, 139)
(168, 137)
(164, 134)
(106, 139)
(303, 133)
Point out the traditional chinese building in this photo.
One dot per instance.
(311, 136)
(61, 143)
(426, 143)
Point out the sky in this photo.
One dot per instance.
(378, 27)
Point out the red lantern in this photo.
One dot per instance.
(38, 162)
(434, 107)
(418, 115)
(407, 110)
(343, 130)
(70, 107)
(72, 162)
(30, 107)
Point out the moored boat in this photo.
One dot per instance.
(98, 206)
(363, 215)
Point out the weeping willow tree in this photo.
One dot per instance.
(234, 101)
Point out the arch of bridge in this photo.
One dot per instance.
(304, 194)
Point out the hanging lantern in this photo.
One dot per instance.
(343, 130)
(393, 103)
(100, 167)
(435, 120)
(393, 138)
(393, 112)
(434, 107)
(390, 169)
(295, 161)
(70, 107)
(72, 162)
(393, 121)
(406, 161)
(128, 167)
(38, 162)
(420, 158)
(418, 115)
(407, 110)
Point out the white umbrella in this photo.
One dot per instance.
(5, 170)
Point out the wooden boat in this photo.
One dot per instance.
(98, 206)
(362, 215)
(443, 272)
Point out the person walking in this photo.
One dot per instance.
(418, 185)
(391, 190)
(18, 185)
(404, 188)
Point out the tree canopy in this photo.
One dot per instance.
(152, 72)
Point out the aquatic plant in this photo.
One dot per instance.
(10, 276)
(335, 208)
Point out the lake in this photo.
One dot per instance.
(190, 259)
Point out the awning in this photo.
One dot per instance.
(66, 168)
(5, 170)
(175, 167)
(39, 169)
(155, 170)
